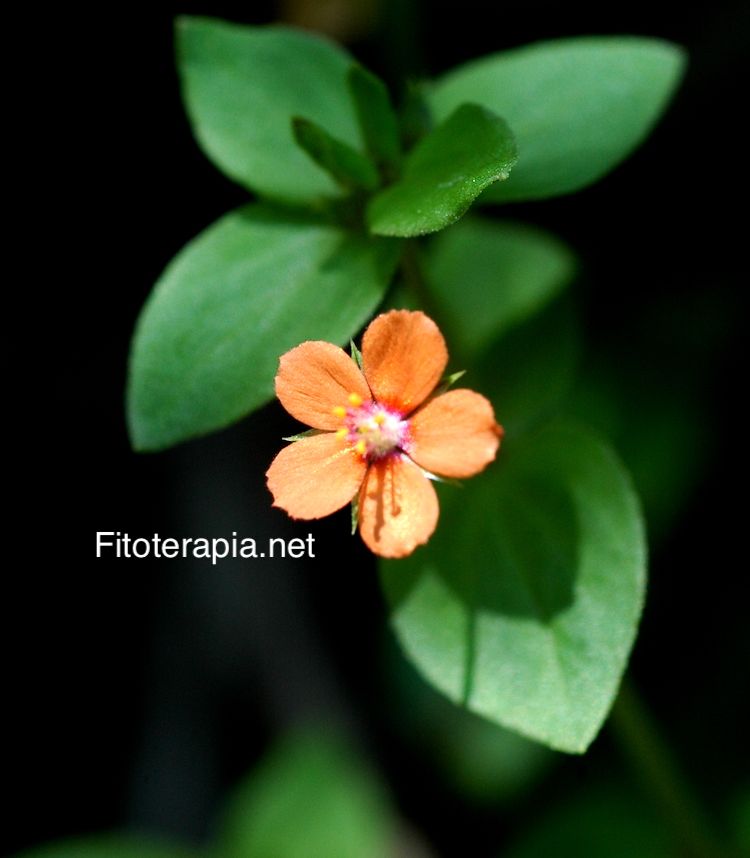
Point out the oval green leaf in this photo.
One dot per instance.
(525, 604)
(577, 106)
(242, 86)
(250, 287)
(489, 276)
(310, 796)
(444, 173)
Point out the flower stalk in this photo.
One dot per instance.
(653, 761)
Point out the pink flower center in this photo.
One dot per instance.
(373, 430)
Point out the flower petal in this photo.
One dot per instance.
(316, 476)
(314, 378)
(404, 356)
(398, 507)
(455, 434)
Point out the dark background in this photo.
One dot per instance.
(139, 691)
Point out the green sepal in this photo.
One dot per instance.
(356, 355)
(449, 381)
(355, 513)
(300, 436)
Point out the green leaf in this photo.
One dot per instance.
(448, 381)
(377, 119)
(525, 603)
(489, 276)
(246, 290)
(242, 86)
(444, 173)
(529, 372)
(112, 845)
(657, 427)
(577, 106)
(349, 168)
(484, 761)
(311, 796)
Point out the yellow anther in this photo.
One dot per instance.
(361, 447)
(379, 418)
(355, 399)
(342, 433)
(339, 411)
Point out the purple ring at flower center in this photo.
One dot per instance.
(376, 430)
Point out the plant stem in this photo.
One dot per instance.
(647, 752)
(411, 270)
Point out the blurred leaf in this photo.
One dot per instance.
(657, 428)
(603, 823)
(310, 796)
(112, 845)
(377, 119)
(242, 86)
(444, 172)
(253, 285)
(525, 604)
(488, 276)
(528, 372)
(577, 106)
(348, 167)
(486, 762)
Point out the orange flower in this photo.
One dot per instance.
(384, 433)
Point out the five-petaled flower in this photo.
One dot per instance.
(385, 431)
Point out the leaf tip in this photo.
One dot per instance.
(139, 434)
(139, 442)
(185, 24)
